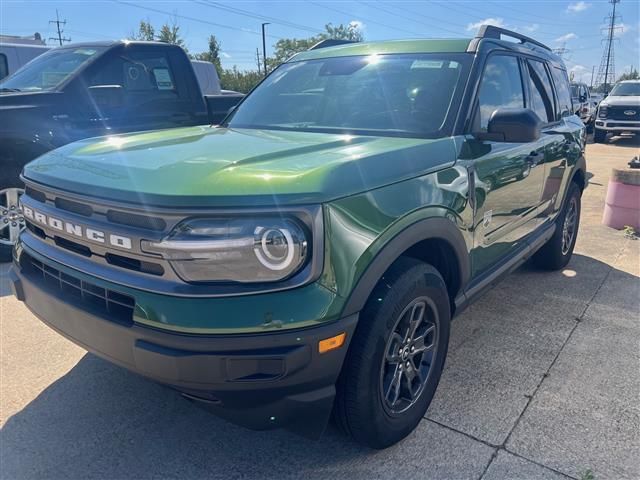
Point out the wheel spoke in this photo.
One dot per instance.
(12, 197)
(419, 343)
(393, 390)
(417, 315)
(394, 349)
(413, 386)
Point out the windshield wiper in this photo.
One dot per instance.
(5, 89)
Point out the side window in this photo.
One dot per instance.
(4, 67)
(144, 78)
(541, 94)
(500, 86)
(562, 91)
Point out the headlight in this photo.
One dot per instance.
(245, 250)
(602, 111)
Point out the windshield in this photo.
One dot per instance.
(50, 69)
(392, 95)
(631, 89)
(575, 91)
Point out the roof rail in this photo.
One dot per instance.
(491, 31)
(330, 42)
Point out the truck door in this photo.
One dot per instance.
(507, 176)
(134, 88)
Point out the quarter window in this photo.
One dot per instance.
(500, 87)
(4, 68)
(541, 101)
(561, 82)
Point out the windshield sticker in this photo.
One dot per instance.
(426, 64)
(84, 51)
(163, 78)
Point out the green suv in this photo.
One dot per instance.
(306, 257)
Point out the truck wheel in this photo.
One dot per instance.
(556, 253)
(600, 136)
(396, 357)
(11, 220)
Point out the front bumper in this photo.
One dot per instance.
(260, 381)
(617, 125)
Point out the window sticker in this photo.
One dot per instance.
(163, 78)
(426, 64)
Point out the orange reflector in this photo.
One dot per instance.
(331, 343)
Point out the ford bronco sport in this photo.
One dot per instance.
(307, 256)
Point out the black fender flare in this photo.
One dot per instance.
(436, 228)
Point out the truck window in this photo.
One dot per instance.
(144, 77)
(561, 81)
(500, 86)
(541, 100)
(4, 67)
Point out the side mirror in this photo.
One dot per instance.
(583, 98)
(107, 96)
(517, 125)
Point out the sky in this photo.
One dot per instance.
(575, 25)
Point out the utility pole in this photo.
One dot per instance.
(258, 61)
(264, 48)
(607, 70)
(593, 69)
(60, 38)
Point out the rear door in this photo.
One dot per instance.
(507, 176)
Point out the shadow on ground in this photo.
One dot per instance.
(100, 421)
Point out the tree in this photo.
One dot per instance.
(632, 75)
(286, 47)
(212, 55)
(145, 32)
(170, 33)
(234, 79)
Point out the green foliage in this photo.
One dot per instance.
(234, 79)
(212, 55)
(287, 47)
(587, 475)
(145, 32)
(632, 75)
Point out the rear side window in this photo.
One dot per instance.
(500, 86)
(541, 94)
(565, 108)
(4, 67)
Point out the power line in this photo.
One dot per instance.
(60, 38)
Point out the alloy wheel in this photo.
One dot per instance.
(569, 226)
(409, 353)
(11, 218)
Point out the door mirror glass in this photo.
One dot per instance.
(517, 125)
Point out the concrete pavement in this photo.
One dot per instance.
(542, 382)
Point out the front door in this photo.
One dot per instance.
(508, 176)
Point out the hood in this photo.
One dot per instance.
(626, 101)
(205, 166)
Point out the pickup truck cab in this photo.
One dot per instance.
(308, 254)
(619, 112)
(583, 103)
(89, 90)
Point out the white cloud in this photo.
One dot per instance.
(531, 28)
(498, 22)
(567, 37)
(577, 7)
(358, 24)
(225, 55)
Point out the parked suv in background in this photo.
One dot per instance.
(583, 104)
(307, 255)
(619, 112)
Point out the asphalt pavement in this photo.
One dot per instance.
(542, 382)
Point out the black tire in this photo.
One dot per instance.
(361, 410)
(600, 136)
(556, 253)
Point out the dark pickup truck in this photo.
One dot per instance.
(88, 90)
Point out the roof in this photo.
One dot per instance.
(387, 47)
(112, 43)
(636, 80)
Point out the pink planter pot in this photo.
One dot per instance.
(622, 205)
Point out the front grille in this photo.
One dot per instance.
(106, 303)
(73, 207)
(617, 113)
(134, 220)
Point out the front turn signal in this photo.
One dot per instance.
(332, 343)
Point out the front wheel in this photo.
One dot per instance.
(396, 357)
(556, 253)
(11, 220)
